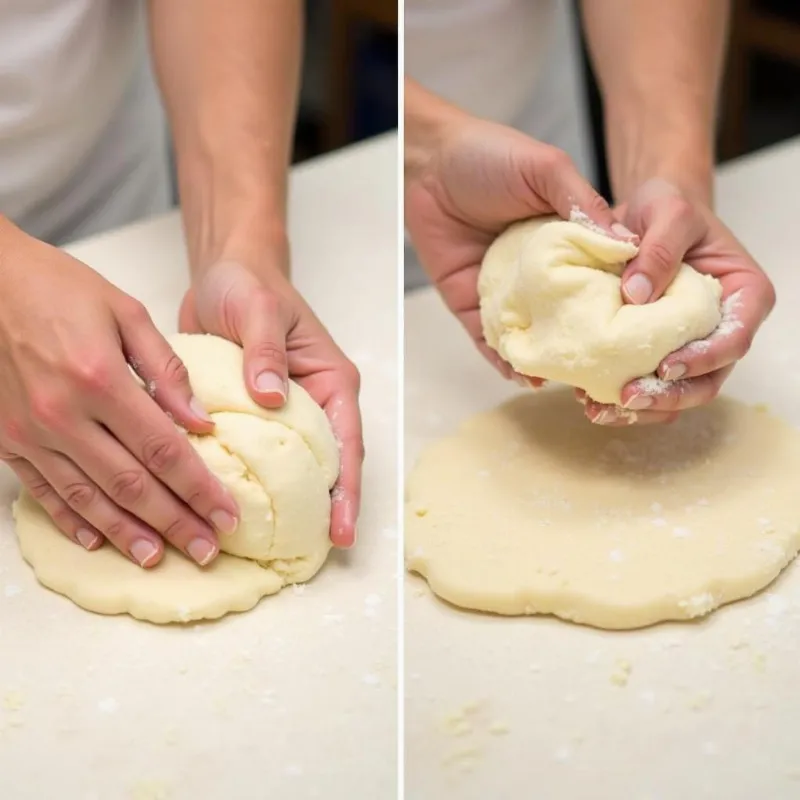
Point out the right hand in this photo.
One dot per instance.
(96, 450)
(476, 180)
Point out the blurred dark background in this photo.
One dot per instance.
(760, 100)
(350, 74)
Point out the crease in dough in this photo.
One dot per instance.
(280, 466)
(551, 306)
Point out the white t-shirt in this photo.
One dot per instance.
(511, 61)
(83, 143)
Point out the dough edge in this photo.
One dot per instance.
(571, 605)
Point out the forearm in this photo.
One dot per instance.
(659, 66)
(229, 75)
(426, 118)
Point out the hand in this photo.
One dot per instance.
(88, 442)
(280, 335)
(674, 229)
(478, 179)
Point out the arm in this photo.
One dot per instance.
(229, 73)
(426, 119)
(659, 67)
(230, 77)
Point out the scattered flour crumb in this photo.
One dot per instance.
(622, 673)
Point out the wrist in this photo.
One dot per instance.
(428, 121)
(657, 146)
(233, 225)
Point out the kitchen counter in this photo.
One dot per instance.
(296, 698)
(526, 707)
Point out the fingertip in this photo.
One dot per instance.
(89, 539)
(269, 389)
(637, 289)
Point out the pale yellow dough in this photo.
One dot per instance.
(279, 465)
(527, 510)
(551, 305)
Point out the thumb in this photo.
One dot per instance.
(571, 196)
(264, 340)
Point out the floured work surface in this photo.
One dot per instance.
(529, 509)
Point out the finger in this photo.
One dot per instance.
(649, 395)
(65, 519)
(129, 535)
(264, 339)
(345, 418)
(129, 485)
(672, 227)
(640, 418)
(163, 372)
(572, 197)
(743, 312)
(139, 425)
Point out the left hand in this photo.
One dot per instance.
(675, 229)
(281, 337)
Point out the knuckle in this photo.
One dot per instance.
(351, 375)
(555, 159)
(48, 411)
(660, 256)
(40, 489)
(15, 432)
(175, 370)
(115, 531)
(136, 312)
(268, 351)
(79, 495)
(176, 531)
(267, 303)
(597, 204)
(93, 375)
(161, 453)
(127, 488)
(680, 209)
(64, 520)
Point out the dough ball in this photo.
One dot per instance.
(280, 465)
(518, 513)
(551, 305)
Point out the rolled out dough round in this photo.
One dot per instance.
(279, 466)
(527, 511)
(551, 305)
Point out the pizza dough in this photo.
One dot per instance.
(551, 305)
(279, 466)
(527, 511)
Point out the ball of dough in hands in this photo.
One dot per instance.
(279, 465)
(551, 306)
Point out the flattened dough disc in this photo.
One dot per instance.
(175, 590)
(530, 510)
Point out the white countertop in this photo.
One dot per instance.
(296, 698)
(711, 709)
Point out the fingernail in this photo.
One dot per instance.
(618, 229)
(223, 521)
(638, 289)
(674, 372)
(87, 538)
(196, 407)
(201, 550)
(143, 551)
(271, 383)
(606, 416)
(639, 402)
